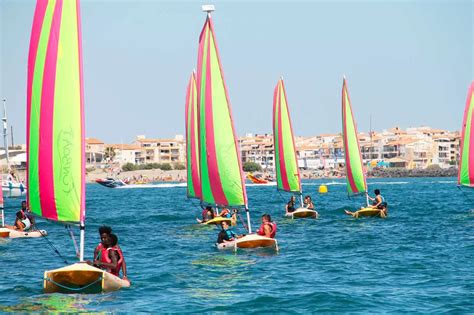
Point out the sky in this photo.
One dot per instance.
(407, 63)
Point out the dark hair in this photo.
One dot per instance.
(267, 216)
(23, 202)
(105, 229)
(208, 208)
(19, 214)
(307, 196)
(113, 239)
(377, 192)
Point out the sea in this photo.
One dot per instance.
(418, 260)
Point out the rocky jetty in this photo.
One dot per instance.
(402, 172)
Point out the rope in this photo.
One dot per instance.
(242, 221)
(71, 233)
(51, 245)
(73, 289)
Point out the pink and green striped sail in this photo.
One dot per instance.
(192, 141)
(466, 165)
(55, 113)
(222, 180)
(286, 163)
(355, 177)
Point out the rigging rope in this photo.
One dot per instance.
(73, 289)
(71, 233)
(51, 245)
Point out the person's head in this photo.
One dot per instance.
(308, 198)
(225, 225)
(225, 210)
(377, 192)
(293, 198)
(105, 230)
(266, 218)
(113, 239)
(105, 240)
(23, 205)
(20, 215)
(209, 208)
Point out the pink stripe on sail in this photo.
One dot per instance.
(284, 175)
(38, 19)
(349, 176)
(471, 138)
(194, 162)
(292, 137)
(45, 158)
(83, 128)
(463, 135)
(239, 158)
(213, 167)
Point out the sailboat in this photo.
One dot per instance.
(466, 163)
(355, 175)
(286, 163)
(222, 178)
(55, 138)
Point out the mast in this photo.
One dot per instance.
(5, 128)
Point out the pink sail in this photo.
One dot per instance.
(192, 140)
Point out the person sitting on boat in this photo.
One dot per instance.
(378, 201)
(107, 259)
(22, 223)
(291, 205)
(28, 214)
(104, 233)
(225, 213)
(308, 203)
(226, 234)
(121, 261)
(207, 215)
(268, 228)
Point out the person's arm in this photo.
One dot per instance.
(113, 257)
(379, 201)
(124, 267)
(268, 231)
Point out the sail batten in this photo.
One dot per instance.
(222, 180)
(55, 113)
(286, 163)
(466, 163)
(355, 176)
(192, 145)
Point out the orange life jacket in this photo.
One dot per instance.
(273, 226)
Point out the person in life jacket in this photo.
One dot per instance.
(105, 232)
(108, 258)
(226, 234)
(207, 215)
(378, 203)
(22, 223)
(291, 205)
(268, 228)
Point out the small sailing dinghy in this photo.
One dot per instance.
(355, 175)
(55, 137)
(466, 163)
(7, 232)
(286, 163)
(222, 181)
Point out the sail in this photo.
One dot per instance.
(192, 144)
(222, 181)
(355, 176)
(286, 163)
(466, 164)
(55, 113)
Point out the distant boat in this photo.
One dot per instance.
(55, 138)
(12, 188)
(355, 175)
(221, 175)
(286, 163)
(256, 179)
(466, 163)
(110, 182)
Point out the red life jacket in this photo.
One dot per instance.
(273, 226)
(104, 257)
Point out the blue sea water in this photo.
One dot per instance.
(419, 259)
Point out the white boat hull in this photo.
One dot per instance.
(302, 213)
(13, 191)
(10, 233)
(81, 278)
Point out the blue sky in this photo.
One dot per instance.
(408, 63)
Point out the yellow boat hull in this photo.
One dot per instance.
(256, 241)
(81, 278)
(218, 220)
(302, 213)
(368, 212)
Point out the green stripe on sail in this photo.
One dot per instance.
(226, 151)
(36, 92)
(205, 182)
(276, 145)
(353, 151)
(288, 146)
(190, 186)
(67, 130)
(464, 172)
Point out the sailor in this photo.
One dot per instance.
(308, 203)
(104, 233)
(378, 203)
(207, 215)
(226, 234)
(28, 213)
(291, 205)
(22, 223)
(268, 228)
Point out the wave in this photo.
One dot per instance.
(153, 186)
(267, 184)
(388, 183)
